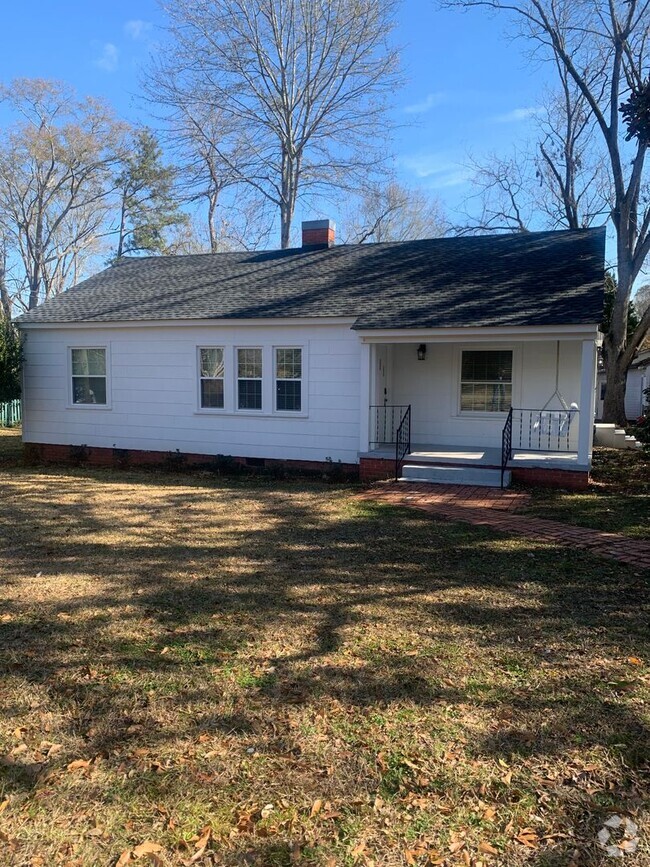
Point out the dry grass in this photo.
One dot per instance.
(618, 499)
(314, 680)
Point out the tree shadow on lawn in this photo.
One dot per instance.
(302, 604)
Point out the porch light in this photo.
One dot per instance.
(422, 351)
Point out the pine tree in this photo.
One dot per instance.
(10, 360)
(147, 203)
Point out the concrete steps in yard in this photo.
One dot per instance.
(441, 474)
(612, 437)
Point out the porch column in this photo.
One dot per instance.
(365, 398)
(587, 401)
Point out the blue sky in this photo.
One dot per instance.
(469, 89)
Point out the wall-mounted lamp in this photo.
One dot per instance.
(422, 351)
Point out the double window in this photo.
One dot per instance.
(89, 376)
(253, 368)
(486, 380)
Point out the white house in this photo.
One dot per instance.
(448, 358)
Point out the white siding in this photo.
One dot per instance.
(154, 403)
(637, 382)
(432, 387)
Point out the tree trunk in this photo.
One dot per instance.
(5, 300)
(212, 231)
(614, 403)
(122, 229)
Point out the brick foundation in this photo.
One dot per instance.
(538, 477)
(378, 469)
(94, 456)
(368, 469)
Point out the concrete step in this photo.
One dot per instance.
(446, 475)
(613, 437)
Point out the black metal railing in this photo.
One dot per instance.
(402, 441)
(506, 445)
(384, 422)
(538, 430)
(544, 430)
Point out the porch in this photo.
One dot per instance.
(481, 411)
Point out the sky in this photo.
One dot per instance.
(469, 90)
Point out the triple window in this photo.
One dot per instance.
(250, 371)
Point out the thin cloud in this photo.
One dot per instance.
(136, 28)
(437, 170)
(431, 101)
(109, 58)
(516, 115)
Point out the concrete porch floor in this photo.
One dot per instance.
(479, 456)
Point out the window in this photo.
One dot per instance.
(89, 376)
(249, 379)
(288, 380)
(486, 381)
(211, 377)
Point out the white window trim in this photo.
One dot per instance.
(236, 408)
(288, 413)
(93, 407)
(516, 378)
(211, 410)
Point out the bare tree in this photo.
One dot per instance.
(600, 50)
(212, 156)
(558, 180)
(306, 81)
(642, 299)
(392, 212)
(54, 182)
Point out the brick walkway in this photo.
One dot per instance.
(492, 507)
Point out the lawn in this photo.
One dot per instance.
(618, 500)
(198, 670)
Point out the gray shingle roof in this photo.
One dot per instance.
(541, 278)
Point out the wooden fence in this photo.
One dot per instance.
(10, 414)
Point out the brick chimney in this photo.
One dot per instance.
(318, 234)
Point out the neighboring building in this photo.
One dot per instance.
(638, 380)
(330, 353)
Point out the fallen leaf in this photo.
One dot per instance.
(204, 839)
(456, 846)
(4, 805)
(487, 848)
(489, 814)
(507, 779)
(147, 848)
(78, 763)
(528, 837)
(124, 858)
(634, 660)
(316, 808)
(201, 845)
